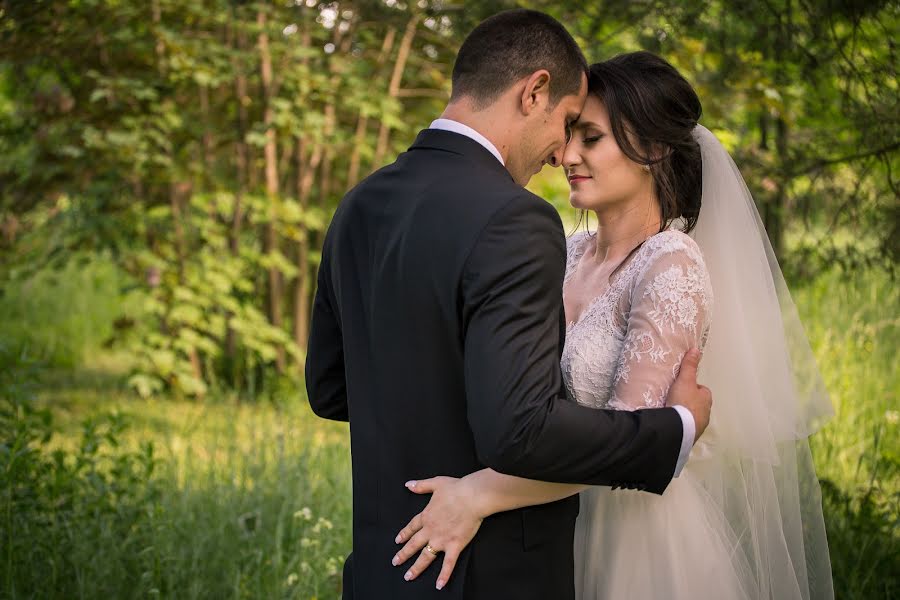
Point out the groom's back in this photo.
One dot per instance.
(394, 261)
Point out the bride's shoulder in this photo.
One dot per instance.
(576, 241)
(673, 243)
(577, 237)
(672, 253)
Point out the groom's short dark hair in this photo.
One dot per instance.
(511, 45)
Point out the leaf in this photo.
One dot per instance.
(256, 138)
(99, 94)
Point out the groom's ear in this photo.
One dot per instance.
(536, 93)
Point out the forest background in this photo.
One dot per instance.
(167, 172)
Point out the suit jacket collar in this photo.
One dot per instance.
(456, 143)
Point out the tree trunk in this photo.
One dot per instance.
(304, 179)
(303, 285)
(177, 193)
(775, 213)
(394, 88)
(362, 124)
(159, 47)
(322, 157)
(240, 167)
(271, 171)
(207, 140)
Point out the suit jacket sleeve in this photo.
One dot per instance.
(522, 425)
(326, 384)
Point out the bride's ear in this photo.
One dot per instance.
(536, 92)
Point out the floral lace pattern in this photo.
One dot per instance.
(625, 349)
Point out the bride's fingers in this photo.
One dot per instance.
(411, 528)
(426, 557)
(424, 486)
(450, 557)
(415, 544)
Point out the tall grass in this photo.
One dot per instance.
(176, 500)
(168, 498)
(854, 326)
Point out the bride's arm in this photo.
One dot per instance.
(457, 508)
(669, 314)
(496, 492)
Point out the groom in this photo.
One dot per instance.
(438, 325)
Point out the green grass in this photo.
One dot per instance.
(243, 501)
(172, 498)
(854, 328)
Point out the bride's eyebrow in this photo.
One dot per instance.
(586, 125)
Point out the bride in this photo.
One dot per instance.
(679, 260)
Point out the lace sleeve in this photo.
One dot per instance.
(670, 311)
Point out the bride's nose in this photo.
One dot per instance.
(571, 157)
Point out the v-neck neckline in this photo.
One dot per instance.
(614, 278)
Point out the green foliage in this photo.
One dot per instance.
(854, 330)
(804, 95)
(171, 500)
(60, 315)
(52, 501)
(195, 299)
(148, 131)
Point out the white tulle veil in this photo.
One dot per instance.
(754, 459)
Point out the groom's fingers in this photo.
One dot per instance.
(689, 365)
(411, 528)
(684, 388)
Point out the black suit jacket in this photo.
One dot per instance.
(437, 332)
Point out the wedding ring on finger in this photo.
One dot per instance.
(430, 550)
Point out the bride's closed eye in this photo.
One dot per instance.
(590, 139)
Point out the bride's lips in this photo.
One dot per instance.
(573, 179)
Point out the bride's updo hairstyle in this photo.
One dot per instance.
(653, 111)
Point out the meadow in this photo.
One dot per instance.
(105, 494)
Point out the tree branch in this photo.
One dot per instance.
(422, 93)
(826, 162)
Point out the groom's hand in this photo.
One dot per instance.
(685, 392)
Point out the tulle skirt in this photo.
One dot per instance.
(639, 546)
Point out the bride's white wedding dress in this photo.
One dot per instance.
(744, 518)
(623, 353)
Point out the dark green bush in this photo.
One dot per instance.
(52, 501)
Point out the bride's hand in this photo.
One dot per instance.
(447, 525)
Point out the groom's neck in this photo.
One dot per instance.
(492, 122)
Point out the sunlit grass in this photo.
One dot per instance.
(248, 501)
(854, 327)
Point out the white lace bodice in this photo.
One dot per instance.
(626, 347)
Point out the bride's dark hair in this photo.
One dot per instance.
(648, 98)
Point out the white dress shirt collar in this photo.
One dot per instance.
(457, 127)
